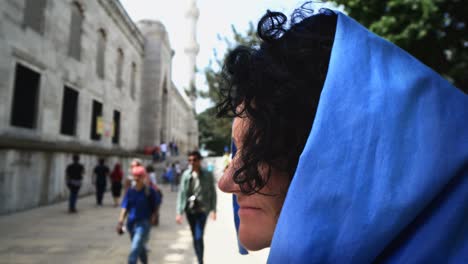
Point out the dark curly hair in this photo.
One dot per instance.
(277, 86)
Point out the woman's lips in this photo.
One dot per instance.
(248, 210)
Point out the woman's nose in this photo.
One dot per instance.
(226, 183)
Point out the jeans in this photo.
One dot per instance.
(73, 197)
(100, 189)
(197, 223)
(139, 234)
(173, 184)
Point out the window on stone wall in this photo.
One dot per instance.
(101, 50)
(69, 111)
(25, 97)
(116, 128)
(120, 61)
(74, 43)
(133, 80)
(34, 15)
(97, 124)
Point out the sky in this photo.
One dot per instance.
(216, 18)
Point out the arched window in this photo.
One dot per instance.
(101, 50)
(133, 74)
(34, 15)
(74, 43)
(120, 61)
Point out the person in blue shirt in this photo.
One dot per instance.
(138, 205)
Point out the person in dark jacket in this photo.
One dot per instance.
(101, 173)
(74, 176)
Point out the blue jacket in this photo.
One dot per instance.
(139, 204)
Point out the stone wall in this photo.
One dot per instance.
(182, 117)
(31, 178)
(33, 160)
(156, 76)
(172, 110)
(47, 54)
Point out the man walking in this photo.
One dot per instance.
(101, 172)
(138, 204)
(74, 176)
(163, 148)
(196, 198)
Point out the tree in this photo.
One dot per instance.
(434, 31)
(215, 133)
(213, 71)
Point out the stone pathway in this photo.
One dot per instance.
(51, 235)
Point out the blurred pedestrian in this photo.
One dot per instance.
(196, 198)
(138, 205)
(74, 176)
(116, 178)
(163, 148)
(171, 148)
(167, 176)
(152, 174)
(178, 173)
(176, 148)
(101, 172)
(156, 154)
(173, 177)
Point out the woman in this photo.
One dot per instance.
(349, 149)
(116, 178)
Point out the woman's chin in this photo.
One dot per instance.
(252, 239)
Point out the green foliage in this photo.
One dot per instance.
(215, 133)
(434, 31)
(213, 71)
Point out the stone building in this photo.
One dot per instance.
(79, 77)
(173, 121)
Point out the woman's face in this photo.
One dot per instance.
(258, 213)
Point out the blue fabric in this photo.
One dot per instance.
(197, 224)
(169, 175)
(139, 234)
(384, 173)
(137, 205)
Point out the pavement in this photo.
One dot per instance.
(50, 234)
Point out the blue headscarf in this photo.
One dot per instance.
(384, 173)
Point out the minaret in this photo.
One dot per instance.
(192, 48)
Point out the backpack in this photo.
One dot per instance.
(151, 199)
(154, 201)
